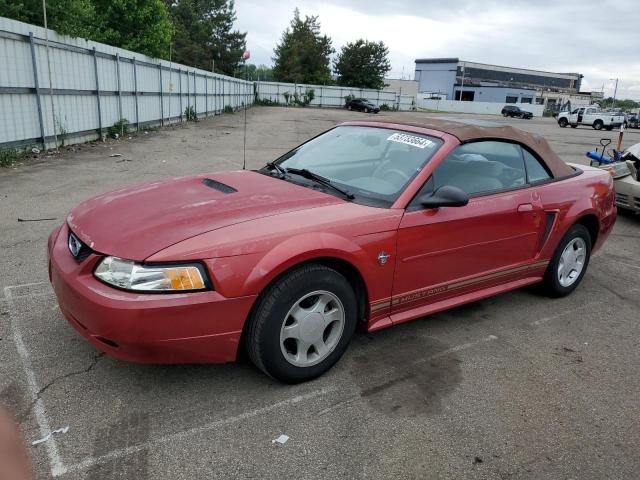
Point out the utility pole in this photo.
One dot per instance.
(615, 91)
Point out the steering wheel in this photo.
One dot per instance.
(381, 172)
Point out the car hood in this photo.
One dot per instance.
(138, 221)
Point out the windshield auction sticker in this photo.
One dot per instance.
(412, 140)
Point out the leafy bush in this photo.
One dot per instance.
(265, 102)
(11, 156)
(119, 128)
(348, 98)
(228, 109)
(286, 96)
(190, 114)
(385, 108)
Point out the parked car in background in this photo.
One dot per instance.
(362, 105)
(592, 117)
(370, 224)
(517, 112)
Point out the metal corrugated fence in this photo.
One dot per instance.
(331, 96)
(94, 86)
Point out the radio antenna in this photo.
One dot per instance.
(244, 139)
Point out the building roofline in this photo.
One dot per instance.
(457, 60)
(437, 60)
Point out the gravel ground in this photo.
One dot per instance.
(516, 386)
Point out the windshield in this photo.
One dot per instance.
(373, 164)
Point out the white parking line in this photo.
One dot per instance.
(55, 462)
(563, 314)
(115, 454)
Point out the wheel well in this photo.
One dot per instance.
(350, 272)
(590, 222)
(353, 276)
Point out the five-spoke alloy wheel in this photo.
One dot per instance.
(302, 323)
(569, 262)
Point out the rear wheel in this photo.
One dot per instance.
(302, 324)
(598, 124)
(349, 107)
(505, 114)
(563, 122)
(610, 127)
(574, 126)
(569, 262)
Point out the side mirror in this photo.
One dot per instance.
(445, 196)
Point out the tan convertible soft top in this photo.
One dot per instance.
(467, 130)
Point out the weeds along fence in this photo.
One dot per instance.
(329, 96)
(93, 86)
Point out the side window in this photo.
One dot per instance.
(536, 172)
(482, 167)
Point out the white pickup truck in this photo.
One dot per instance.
(590, 116)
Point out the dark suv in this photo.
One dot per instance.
(513, 111)
(362, 105)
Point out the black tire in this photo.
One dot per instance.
(505, 114)
(551, 283)
(348, 107)
(563, 122)
(262, 335)
(366, 110)
(610, 127)
(598, 124)
(574, 126)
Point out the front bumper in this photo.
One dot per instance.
(201, 327)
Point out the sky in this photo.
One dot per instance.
(599, 39)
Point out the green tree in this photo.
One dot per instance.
(254, 72)
(139, 25)
(622, 104)
(68, 17)
(303, 54)
(363, 64)
(204, 35)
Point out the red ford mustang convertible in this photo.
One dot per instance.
(371, 223)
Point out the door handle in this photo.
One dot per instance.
(525, 207)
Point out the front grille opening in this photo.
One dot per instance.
(221, 187)
(84, 251)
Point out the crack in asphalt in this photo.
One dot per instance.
(23, 416)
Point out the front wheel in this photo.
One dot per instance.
(302, 324)
(563, 122)
(569, 262)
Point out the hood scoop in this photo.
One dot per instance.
(219, 186)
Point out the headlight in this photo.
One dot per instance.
(150, 278)
(617, 169)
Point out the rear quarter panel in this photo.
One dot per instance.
(588, 193)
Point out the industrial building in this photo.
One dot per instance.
(454, 79)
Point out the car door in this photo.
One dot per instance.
(452, 250)
(580, 115)
(589, 116)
